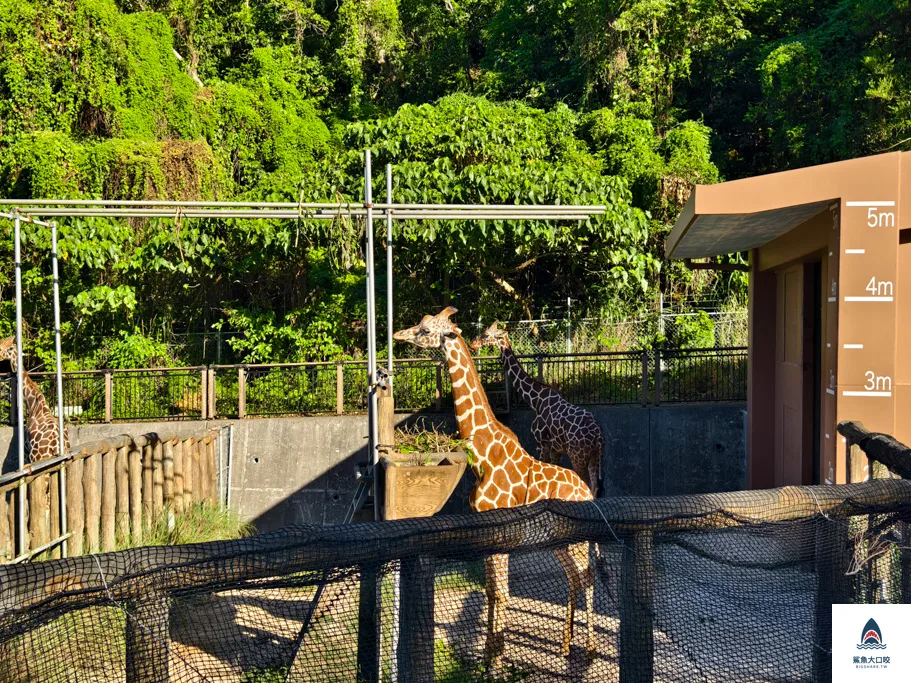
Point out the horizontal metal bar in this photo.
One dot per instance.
(339, 206)
(34, 468)
(261, 214)
(40, 549)
(26, 219)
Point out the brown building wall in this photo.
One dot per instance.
(903, 355)
(761, 379)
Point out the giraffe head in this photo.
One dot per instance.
(8, 352)
(493, 336)
(432, 331)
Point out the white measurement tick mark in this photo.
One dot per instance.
(854, 346)
(855, 251)
(867, 393)
(868, 298)
(878, 203)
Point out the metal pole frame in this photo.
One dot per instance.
(20, 408)
(389, 299)
(371, 316)
(61, 480)
(26, 210)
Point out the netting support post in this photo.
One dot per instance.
(367, 626)
(905, 562)
(147, 640)
(644, 378)
(658, 377)
(416, 618)
(832, 587)
(637, 585)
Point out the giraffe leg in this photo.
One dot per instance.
(582, 556)
(572, 577)
(497, 570)
(594, 471)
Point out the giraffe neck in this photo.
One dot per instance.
(528, 387)
(473, 413)
(34, 399)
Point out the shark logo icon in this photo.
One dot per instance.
(872, 637)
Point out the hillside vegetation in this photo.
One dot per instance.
(572, 101)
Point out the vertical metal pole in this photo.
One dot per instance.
(394, 645)
(371, 371)
(20, 413)
(59, 353)
(389, 331)
(569, 325)
(228, 473)
(371, 312)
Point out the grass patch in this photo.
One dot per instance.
(448, 667)
(200, 523)
(467, 576)
(272, 674)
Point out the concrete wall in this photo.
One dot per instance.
(290, 470)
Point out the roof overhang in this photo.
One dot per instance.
(741, 215)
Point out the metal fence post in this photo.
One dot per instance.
(339, 388)
(540, 360)
(367, 625)
(108, 396)
(204, 394)
(657, 377)
(211, 397)
(416, 616)
(644, 377)
(832, 587)
(439, 378)
(241, 393)
(637, 585)
(147, 640)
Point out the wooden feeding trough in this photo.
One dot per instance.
(414, 484)
(419, 484)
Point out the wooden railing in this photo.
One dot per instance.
(105, 494)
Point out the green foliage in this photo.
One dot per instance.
(695, 331)
(626, 104)
(135, 350)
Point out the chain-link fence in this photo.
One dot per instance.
(714, 329)
(673, 328)
(722, 587)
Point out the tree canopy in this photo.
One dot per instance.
(572, 101)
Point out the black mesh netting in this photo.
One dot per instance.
(732, 587)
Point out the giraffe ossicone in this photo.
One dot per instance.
(559, 427)
(507, 476)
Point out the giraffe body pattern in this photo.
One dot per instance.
(507, 476)
(559, 427)
(43, 438)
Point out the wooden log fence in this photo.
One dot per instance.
(115, 490)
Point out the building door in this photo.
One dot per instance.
(793, 376)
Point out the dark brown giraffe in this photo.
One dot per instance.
(559, 427)
(507, 477)
(43, 438)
